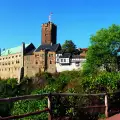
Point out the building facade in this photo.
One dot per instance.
(26, 60)
(43, 59)
(68, 62)
(12, 60)
(49, 33)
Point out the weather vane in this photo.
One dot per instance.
(50, 16)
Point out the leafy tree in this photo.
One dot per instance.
(102, 82)
(68, 46)
(8, 88)
(103, 50)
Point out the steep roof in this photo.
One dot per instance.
(75, 56)
(66, 55)
(13, 50)
(53, 47)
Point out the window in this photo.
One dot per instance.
(42, 55)
(50, 62)
(12, 56)
(50, 55)
(64, 60)
(9, 69)
(12, 62)
(37, 55)
(19, 55)
(45, 29)
(45, 34)
(57, 60)
(36, 62)
(61, 60)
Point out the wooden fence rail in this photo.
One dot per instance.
(49, 109)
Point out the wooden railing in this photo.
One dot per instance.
(49, 109)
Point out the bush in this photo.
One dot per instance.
(102, 82)
(8, 88)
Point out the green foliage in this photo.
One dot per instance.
(66, 81)
(68, 46)
(8, 88)
(26, 106)
(61, 81)
(103, 50)
(102, 82)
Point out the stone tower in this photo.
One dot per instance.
(49, 33)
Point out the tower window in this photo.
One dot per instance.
(45, 34)
(50, 62)
(36, 62)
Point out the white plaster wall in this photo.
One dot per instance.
(70, 67)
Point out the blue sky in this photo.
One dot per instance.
(77, 20)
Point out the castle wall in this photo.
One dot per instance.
(51, 62)
(10, 66)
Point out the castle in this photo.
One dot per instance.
(26, 60)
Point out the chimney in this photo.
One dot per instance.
(23, 48)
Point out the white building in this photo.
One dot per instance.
(67, 61)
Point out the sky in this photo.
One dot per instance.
(76, 20)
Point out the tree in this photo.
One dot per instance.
(103, 50)
(68, 46)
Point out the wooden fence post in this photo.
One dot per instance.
(106, 106)
(50, 106)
